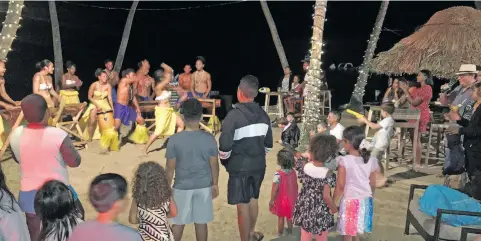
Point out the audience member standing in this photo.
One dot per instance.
(245, 140)
(107, 194)
(43, 152)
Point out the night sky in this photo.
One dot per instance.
(235, 39)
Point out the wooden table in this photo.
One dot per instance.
(280, 102)
(400, 115)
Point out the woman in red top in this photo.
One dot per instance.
(419, 98)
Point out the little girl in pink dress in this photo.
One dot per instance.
(284, 191)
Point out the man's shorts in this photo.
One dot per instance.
(244, 186)
(193, 206)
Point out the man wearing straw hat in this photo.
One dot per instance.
(461, 107)
(462, 94)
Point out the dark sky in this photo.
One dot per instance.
(235, 39)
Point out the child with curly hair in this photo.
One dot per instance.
(284, 191)
(315, 207)
(152, 203)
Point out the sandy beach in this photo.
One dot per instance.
(390, 203)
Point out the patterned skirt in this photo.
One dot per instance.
(355, 216)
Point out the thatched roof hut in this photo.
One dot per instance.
(450, 38)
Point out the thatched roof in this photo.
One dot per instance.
(450, 38)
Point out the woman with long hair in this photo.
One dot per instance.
(12, 220)
(419, 98)
(394, 93)
(70, 85)
(54, 204)
(43, 84)
(152, 202)
(100, 97)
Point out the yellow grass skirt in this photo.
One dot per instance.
(165, 119)
(214, 124)
(84, 121)
(69, 96)
(140, 135)
(110, 139)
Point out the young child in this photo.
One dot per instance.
(322, 128)
(284, 191)
(107, 195)
(55, 205)
(355, 185)
(381, 139)
(152, 203)
(314, 207)
(290, 133)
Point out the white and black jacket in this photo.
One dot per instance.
(246, 138)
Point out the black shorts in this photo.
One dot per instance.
(242, 187)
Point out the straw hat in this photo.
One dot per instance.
(467, 69)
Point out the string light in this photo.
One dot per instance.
(312, 114)
(359, 88)
(155, 9)
(10, 27)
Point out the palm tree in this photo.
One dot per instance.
(275, 35)
(358, 93)
(125, 37)
(10, 26)
(57, 43)
(312, 115)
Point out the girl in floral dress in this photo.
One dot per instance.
(284, 191)
(419, 98)
(315, 207)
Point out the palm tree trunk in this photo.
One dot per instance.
(125, 37)
(357, 95)
(275, 35)
(10, 26)
(57, 43)
(312, 114)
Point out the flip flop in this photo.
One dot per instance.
(257, 236)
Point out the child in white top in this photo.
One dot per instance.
(355, 185)
(382, 138)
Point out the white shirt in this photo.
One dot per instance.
(337, 132)
(285, 84)
(383, 136)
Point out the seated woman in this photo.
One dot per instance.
(42, 83)
(471, 131)
(294, 95)
(70, 85)
(165, 117)
(100, 97)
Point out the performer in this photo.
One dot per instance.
(165, 117)
(100, 97)
(185, 81)
(201, 82)
(42, 83)
(145, 83)
(113, 77)
(6, 101)
(127, 110)
(70, 85)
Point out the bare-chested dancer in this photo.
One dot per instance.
(6, 102)
(145, 83)
(127, 110)
(201, 82)
(185, 80)
(113, 77)
(42, 83)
